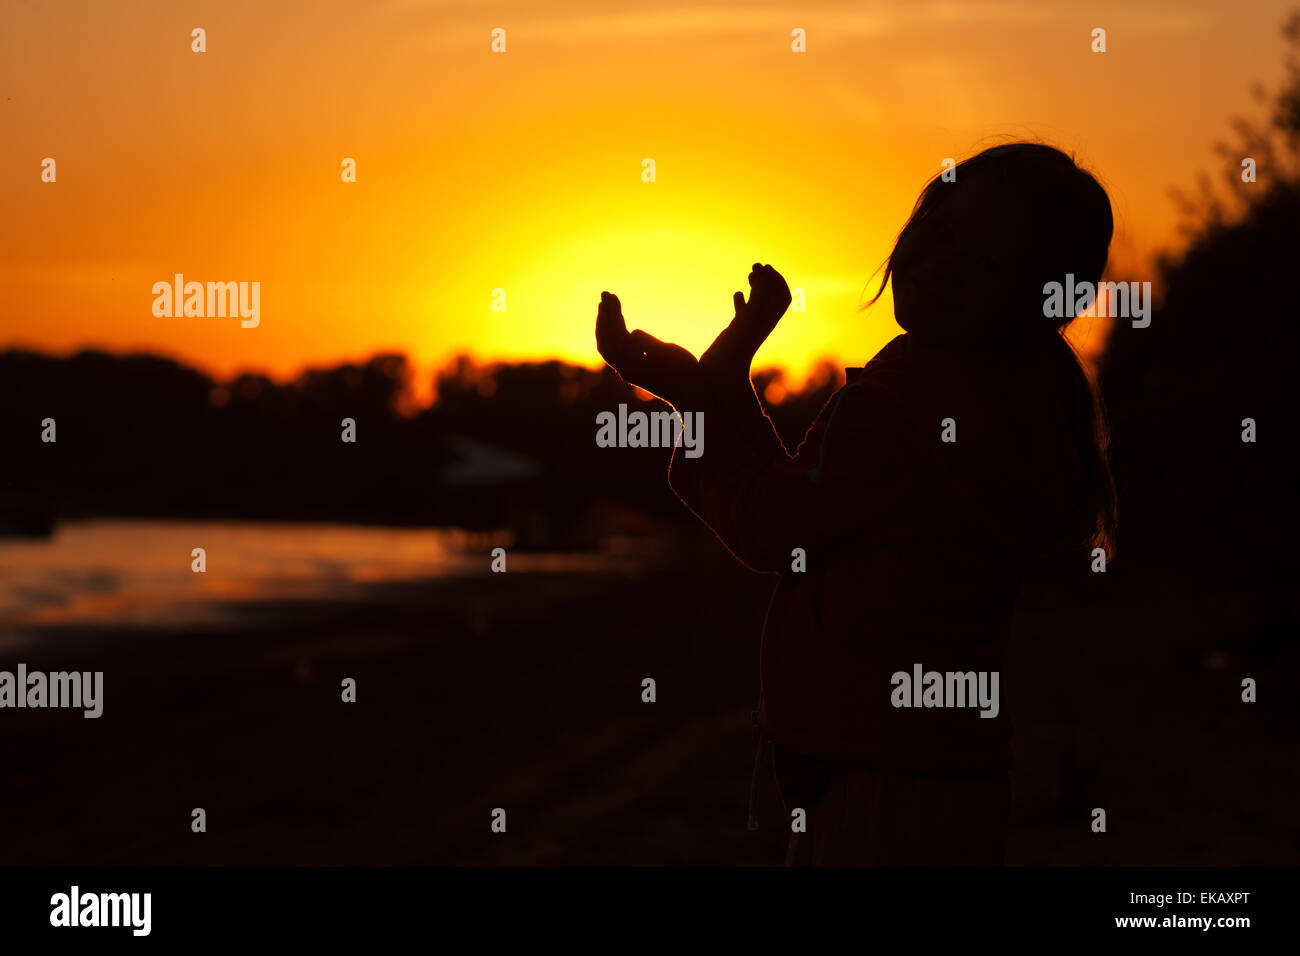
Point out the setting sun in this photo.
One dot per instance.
(524, 171)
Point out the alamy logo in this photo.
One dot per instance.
(195, 300)
(75, 689)
(102, 909)
(1123, 300)
(947, 689)
(654, 430)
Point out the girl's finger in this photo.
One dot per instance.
(611, 328)
(739, 300)
(611, 310)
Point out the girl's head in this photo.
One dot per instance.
(970, 264)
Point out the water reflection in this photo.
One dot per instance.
(139, 572)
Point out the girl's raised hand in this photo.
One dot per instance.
(663, 369)
(733, 350)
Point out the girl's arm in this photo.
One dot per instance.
(762, 505)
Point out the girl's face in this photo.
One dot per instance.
(961, 273)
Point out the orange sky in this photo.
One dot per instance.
(522, 170)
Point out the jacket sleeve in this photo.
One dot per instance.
(763, 503)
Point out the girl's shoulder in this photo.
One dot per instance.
(894, 350)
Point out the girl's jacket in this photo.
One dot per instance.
(916, 499)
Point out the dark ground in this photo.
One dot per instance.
(522, 691)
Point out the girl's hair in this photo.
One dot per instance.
(1073, 236)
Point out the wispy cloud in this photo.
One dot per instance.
(838, 20)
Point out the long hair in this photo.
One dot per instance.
(1073, 228)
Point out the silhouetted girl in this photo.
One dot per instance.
(969, 447)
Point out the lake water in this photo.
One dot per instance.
(139, 573)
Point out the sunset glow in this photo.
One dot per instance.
(522, 171)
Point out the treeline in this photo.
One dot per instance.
(1220, 350)
(510, 444)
